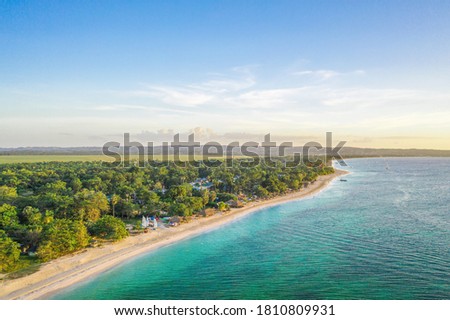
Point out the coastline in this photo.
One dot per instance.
(63, 272)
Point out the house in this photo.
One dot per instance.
(207, 212)
(235, 203)
(201, 184)
(174, 221)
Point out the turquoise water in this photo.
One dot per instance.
(383, 234)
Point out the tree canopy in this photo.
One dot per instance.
(53, 208)
(9, 252)
(109, 227)
(62, 236)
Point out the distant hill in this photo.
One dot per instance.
(346, 152)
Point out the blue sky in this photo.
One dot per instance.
(77, 73)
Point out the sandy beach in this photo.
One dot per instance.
(68, 270)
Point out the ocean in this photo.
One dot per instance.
(382, 234)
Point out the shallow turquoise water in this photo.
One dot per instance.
(383, 234)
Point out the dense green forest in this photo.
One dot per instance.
(50, 209)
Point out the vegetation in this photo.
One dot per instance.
(17, 157)
(110, 228)
(9, 252)
(62, 236)
(50, 209)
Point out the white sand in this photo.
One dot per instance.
(68, 270)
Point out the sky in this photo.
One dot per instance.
(81, 73)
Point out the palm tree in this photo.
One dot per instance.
(114, 200)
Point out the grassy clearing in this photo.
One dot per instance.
(26, 265)
(48, 158)
(4, 159)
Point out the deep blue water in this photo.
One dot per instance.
(383, 234)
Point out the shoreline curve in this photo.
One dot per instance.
(69, 270)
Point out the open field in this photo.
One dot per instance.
(4, 159)
(47, 158)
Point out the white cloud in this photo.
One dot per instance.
(118, 107)
(268, 98)
(178, 96)
(199, 94)
(243, 79)
(321, 74)
(238, 101)
(241, 102)
(327, 74)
